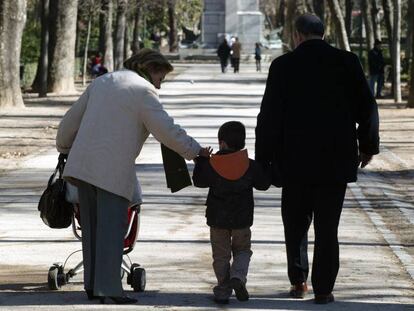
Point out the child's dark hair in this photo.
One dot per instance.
(233, 133)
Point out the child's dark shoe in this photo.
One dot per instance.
(240, 289)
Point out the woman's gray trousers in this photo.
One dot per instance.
(104, 218)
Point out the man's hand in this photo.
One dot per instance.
(364, 159)
(205, 152)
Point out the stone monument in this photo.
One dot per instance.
(232, 18)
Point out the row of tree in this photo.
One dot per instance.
(65, 32)
(353, 23)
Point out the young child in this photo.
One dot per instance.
(231, 177)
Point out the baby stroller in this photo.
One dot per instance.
(135, 274)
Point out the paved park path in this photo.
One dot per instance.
(376, 231)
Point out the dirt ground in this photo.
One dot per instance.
(28, 131)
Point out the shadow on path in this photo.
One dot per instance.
(278, 301)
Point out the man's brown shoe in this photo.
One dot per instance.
(324, 299)
(298, 290)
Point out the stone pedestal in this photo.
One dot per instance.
(238, 18)
(213, 22)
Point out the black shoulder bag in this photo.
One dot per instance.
(54, 210)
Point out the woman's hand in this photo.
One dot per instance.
(205, 152)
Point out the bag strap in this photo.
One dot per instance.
(59, 168)
(61, 163)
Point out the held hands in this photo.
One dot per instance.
(205, 152)
(364, 159)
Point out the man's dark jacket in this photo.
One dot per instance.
(231, 177)
(223, 51)
(376, 62)
(314, 98)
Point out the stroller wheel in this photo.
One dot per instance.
(138, 279)
(55, 277)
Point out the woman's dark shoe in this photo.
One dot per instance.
(119, 300)
(91, 296)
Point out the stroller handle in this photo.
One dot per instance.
(135, 209)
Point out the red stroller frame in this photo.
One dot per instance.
(135, 275)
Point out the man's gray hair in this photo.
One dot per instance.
(309, 24)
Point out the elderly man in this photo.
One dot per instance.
(307, 131)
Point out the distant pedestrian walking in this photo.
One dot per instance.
(258, 57)
(223, 52)
(231, 177)
(235, 54)
(307, 133)
(376, 69)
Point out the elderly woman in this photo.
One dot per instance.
(103, 133)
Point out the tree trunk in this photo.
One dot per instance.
(410, 103)
(280, 14)
(288, 28)
(53, 15)
(328, 22)
(360, 37)
(40, 82)
(294, 9)
(376, 23)
(85, 55)
(172, 23)
(410, 26)
(127, 47)
(120, 33)
(388, 8)
(135, 39)
(12, 20)
(48, 22)
(369, 29)
(301, 8)
(43, 60)
(108, 48)
(349, 4)
(397, 51)
(309, 6)
(270, 21)
(79, 27)
(389, 20)
(102, 28)
(62, 67)
(319, 8)
(339, 24)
